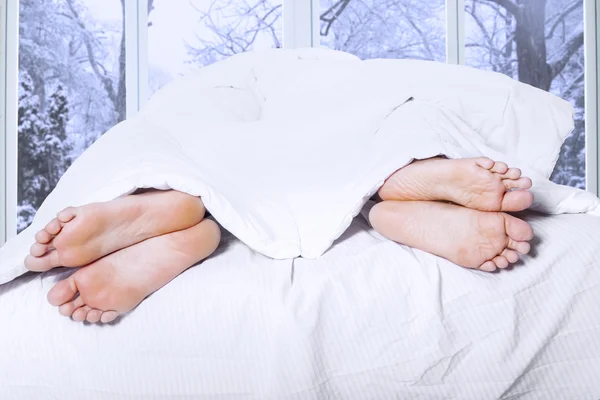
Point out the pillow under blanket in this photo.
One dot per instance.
(286, 146)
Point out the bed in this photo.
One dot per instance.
(370, 319)
(303, 300)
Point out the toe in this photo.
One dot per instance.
(46, 262)
(485, 162)
(38, 249)
(109, 316)
(488, 266)
(521, 183)
(517, 200)
(94, 316)
(517, 229)
(53, 227)
(519, 247)
(80, 314)
(43, 237)
(69, 308)
(499, 167)
(66, 215)
(511, 255)
(63, 292)
(512, 173)
(501, 262)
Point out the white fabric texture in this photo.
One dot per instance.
(286, 146)
(370, 319)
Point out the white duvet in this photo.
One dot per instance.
(286, 146)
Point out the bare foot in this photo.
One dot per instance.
(469, 238)
(81, 235)
(117, 283)
(477, 183)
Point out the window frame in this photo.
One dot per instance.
(9, 65)
(300, 29)
(136, 55)
(298, 23)
(591, 42)
(3, 187)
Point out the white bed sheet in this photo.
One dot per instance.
(369, 320)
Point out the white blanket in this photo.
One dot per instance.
(370, 319)
(285, 147)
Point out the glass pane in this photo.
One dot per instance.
(385, 28)
(188, 34)
(539, 43)
(71, 88)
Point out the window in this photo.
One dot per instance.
(71, 88)
(539, 43)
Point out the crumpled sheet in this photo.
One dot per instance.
(370, 319)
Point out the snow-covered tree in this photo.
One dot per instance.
(32, 128)
(57, 144)
(43, 147)
(60, 43)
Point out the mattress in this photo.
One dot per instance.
(370, 319)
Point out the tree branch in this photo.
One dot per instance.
(562, 14)
(423, 37)
(341, 6)
(233, 34)
(510, 6)
(564, 54)
(106, 81)
(480, 25)
(575, 83)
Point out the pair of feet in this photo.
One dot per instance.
(132, 246)
(129, 248)
(475, 231)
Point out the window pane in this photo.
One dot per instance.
(385, 28)
(71, 88)
(188, 34)
(539, 43)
